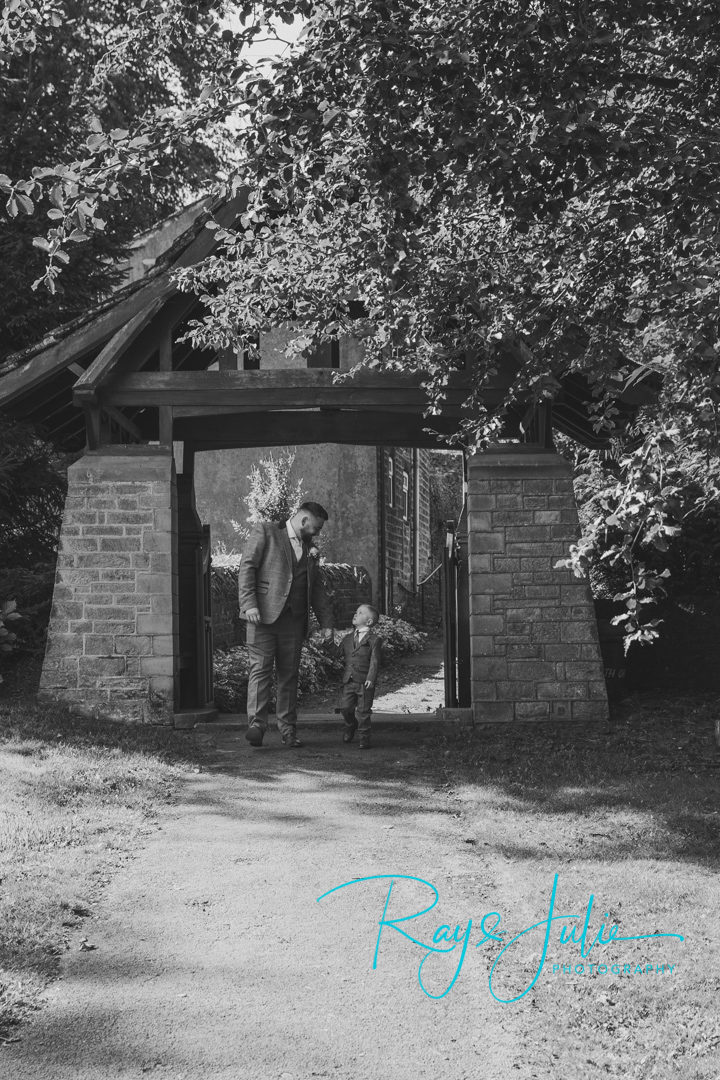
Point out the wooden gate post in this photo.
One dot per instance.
(449, 614)
(195, 623)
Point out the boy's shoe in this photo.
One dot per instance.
(364, 744)
(254, 735)
(291, 739)
(348, 716)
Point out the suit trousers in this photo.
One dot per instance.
(357, 701)
(277, 644)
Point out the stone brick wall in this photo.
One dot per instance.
(534, 640)
(112, 637)
(348, 586)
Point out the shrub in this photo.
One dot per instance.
(32, 493)
(317, 667)
(8, 638)
(32, 589)
(320, 664)
(273, 495)
(399, 637)
(231, 668)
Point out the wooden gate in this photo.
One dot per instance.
(195, 624)
(456, 617)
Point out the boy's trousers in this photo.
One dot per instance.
(358, 700)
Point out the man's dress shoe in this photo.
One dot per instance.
(254, 735)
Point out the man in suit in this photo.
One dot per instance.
(279, 581)
(361, 653)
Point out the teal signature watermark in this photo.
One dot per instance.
(572, 930)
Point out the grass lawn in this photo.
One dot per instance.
(631, 815)
(76, 798)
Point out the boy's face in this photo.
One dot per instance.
(362, 617)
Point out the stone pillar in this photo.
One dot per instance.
(113, 635)
(534, 641)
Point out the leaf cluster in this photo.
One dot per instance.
(456, 184)
(33, 483)
(75, 77)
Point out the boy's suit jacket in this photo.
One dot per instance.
(362, 663)
(266, 573)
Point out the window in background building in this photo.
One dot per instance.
(391, 481)
(406, 496)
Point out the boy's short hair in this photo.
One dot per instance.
(374, 612)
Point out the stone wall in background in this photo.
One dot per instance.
(347, 586)
(343, 479)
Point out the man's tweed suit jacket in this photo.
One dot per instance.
(266, 573)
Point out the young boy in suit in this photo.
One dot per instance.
(361, 651)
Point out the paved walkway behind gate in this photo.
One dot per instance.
(215, 960)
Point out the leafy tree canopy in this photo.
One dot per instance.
(62, 80)
(32, 492)
(452, 180)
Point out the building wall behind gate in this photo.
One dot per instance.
(343, 479)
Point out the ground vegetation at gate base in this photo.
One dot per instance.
(76, 799)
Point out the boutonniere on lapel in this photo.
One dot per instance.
(313, 552)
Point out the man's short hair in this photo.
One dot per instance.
(315, 509)
(374, 612)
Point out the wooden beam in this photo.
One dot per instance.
(82, 341)
(99, 329)
(107, 360)
(93, 426)
(124, 422)
(304, 428)
(228, 360)
(172, 312)
(165, 422)
(188, 459)
(254, 390)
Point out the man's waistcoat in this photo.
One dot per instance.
(297, 599)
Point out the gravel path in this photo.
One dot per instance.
(214, 958)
